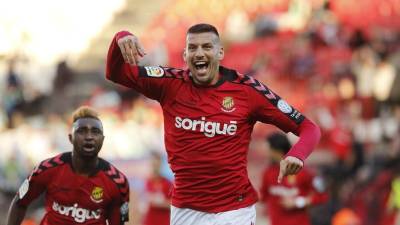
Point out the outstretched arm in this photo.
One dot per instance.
(122, 59)
(123, 56)
(130, 47)
(309, 135)
(268, 107)
(16, 213)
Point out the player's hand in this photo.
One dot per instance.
(288, 166)
(131, 49)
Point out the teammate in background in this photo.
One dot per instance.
(287, 202)
(209, 113)
(79, 186)
(158, 190)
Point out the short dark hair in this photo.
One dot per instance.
(279, 142)
(202, 28)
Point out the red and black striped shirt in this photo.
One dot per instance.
(71, 198)
(208, 129)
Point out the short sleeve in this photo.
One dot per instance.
(34, 185)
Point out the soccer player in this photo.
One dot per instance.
(209, 113)
(287, 202)
(158, 189)
(79, 186)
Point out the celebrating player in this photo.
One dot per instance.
(209, 113)
(287, 202)
(80, 187)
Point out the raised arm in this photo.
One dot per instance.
(122, 59)
(123, 56)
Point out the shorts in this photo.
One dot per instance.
(243, 216)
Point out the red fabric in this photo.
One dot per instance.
(158, 215)
(292, 186)
(71, 199)
(340, 142)
(374, 194)
(309, 138)
(208, 129)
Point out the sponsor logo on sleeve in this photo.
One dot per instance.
(97, 195)
(23, 189)
(154, 71)
(124, 211)
(284, 106)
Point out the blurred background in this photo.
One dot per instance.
(336, 61)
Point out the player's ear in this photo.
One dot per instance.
(70, 138)
(184, 55)
(221, 53)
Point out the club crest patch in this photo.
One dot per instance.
(23, 189)
(228, 104)
(154, 71)
(97, 195)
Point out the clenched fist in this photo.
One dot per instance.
(288, 166)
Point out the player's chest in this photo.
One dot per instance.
(69, 190)
(224, 103)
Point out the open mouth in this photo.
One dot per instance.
(88, 147)
(201, 67)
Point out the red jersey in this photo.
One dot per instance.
(301, 185)
(207, 129)
(74, 199)
(161, 188)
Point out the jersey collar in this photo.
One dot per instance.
(225, 74)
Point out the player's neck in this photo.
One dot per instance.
(216, 77)
(84, 166)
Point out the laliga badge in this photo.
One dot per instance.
(154, 71)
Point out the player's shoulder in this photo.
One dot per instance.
(115, 176)
(163, 72)
(247, 81)
(52, 163)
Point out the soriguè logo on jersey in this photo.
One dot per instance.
(80, 215)
(208, 128)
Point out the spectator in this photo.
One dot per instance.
(13, 98)
(158, 189)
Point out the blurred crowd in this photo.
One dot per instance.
(342, 76)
